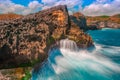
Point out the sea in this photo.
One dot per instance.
(101, 62)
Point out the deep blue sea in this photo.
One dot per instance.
(100, 63)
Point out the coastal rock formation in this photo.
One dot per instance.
(26, 41)
(82, 39)
(79, 19)
(2, 77)
(99, 22)
(108, 24)
(103, 24)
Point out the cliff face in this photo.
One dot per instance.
(76, 31)
(79, 19)
(26, 40)
(108, 24)
(103, 22)
(76, 34)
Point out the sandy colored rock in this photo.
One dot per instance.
(27, 40)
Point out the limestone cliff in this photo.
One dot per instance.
(79, 19)
(98, 22)
(26, 40)
(103, 24)
(76, 31)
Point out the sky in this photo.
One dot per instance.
(87, 7)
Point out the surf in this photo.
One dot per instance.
(68, 62)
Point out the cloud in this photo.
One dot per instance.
(98, 7)
(102, 7)
(49, 1)
(34, 6)
(8, 6)
(71, 4)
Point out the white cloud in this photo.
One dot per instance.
(98, 7)
(102, 1)
(8, 6)
(70, 4)
(102, 8)
(49, 1)
(34, 6)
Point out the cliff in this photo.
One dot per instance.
(26, 40)
(79, 20)
(98, 22)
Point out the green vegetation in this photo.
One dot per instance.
(27, 75)
(33, 62)
(104, 16)
(51, 40)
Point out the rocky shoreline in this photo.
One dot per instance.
(99, 22)
(103, 24)
(29, 38)
(26, 41)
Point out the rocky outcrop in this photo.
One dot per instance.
(79, 19)
(98, 22)
(16, 73)
(103, 24)
(2, 77)
(26, 40)
(76, 31)
(76, 34)
(108, 24)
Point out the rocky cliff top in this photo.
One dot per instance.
(26, 41)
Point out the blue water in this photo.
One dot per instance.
(106, 36)
(102, 63)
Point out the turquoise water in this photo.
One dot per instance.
(101, 63)
(106, 36)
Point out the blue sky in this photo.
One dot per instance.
(22, 2)
(87, 7)
(26, 2)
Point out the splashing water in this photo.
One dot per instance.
(68, 44)
(69, 63)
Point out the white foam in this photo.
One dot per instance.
(90, 62)
(68, 44)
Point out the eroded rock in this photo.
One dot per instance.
(26, 41)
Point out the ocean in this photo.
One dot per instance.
(71, 63)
